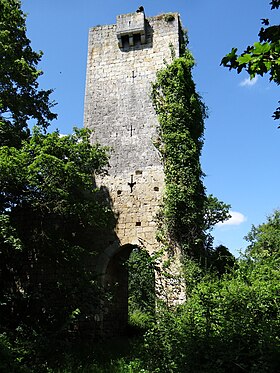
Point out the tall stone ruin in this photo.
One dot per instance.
(122, 63)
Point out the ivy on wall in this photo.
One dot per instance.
(181, 115)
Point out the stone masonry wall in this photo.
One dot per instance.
(119, 109)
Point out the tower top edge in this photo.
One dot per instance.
(163, 16)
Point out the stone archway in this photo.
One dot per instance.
(114, 275)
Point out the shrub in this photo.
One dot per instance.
(229, 324)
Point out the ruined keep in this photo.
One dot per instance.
(122, 63)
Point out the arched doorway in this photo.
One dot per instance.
(141, 288)
(129, 285)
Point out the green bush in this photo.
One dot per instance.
(229, 324)
(11, 355)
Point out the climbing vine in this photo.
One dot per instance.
(181, 115)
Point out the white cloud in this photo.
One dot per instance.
(236, 218)
(249, 82)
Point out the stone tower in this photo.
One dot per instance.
(122, 63)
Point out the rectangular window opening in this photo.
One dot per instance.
(125, 41)
(136, 39)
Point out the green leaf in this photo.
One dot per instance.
(244, 58)
(260, 48)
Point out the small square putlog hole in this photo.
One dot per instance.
(156, 189)
(119, 192)
(138, 172)
(138, 224)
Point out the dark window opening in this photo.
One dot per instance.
(138, 224)
(119, 192)
(156, 189)
(138, 172)
(125, 41)
(136, 39)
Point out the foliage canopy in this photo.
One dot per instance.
(262, 57)
(264, 239)
(48, 205)
(20, 96)
(49, 208)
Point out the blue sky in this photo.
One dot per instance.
(241, 151)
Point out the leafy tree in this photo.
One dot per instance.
(264, 240)
(49, 212)
(221, 260)
(215, 211)
(262, 57)
(49, 209)
(20, 97)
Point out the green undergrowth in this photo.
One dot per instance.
(228, 323)
(118, 355)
